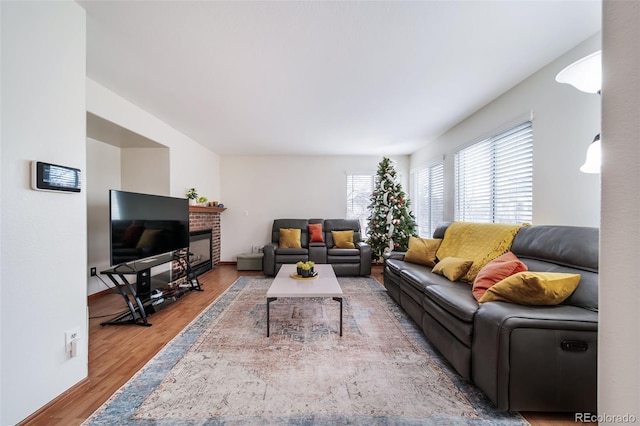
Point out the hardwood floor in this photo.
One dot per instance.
(116, 353)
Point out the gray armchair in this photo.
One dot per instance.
(345, 261)
(275, 256)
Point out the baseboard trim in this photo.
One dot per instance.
(100, 294)
(41, 416)
(227, 262)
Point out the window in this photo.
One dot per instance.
(428, 197)
(359, 189)
(494, 178)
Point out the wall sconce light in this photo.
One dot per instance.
(584, 74)
(592, 163)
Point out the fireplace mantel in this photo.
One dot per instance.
(203, 209)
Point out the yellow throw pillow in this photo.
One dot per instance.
(422, 251)
(533, 288)
(289, 238)
(453, 268)
(343, 239)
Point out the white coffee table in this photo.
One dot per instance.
(325, 285)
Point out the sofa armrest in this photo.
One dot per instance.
(520, 352)
(365, 258)
(398, 255)
(269, 259)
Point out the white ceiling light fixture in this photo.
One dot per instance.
(592, 163)
(584, 74)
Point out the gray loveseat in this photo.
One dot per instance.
(524, 358)
(345, 261)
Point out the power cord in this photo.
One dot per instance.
(114, 292)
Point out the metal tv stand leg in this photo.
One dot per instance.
(190, 275)
(135, 313)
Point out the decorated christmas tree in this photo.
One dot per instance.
(391, 222)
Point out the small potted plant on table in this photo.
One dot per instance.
(305, 269)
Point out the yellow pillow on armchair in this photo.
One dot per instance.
(343, 239)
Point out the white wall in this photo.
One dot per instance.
(619, 339)
(565, 122)
(257, 190)
(190, 164)
(43, 238)
(146, 170)
(103, 173)
(179, 164)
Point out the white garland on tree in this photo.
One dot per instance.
(390, 228)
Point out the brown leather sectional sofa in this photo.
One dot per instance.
(524, 358)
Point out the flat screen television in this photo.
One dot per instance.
(144, 225)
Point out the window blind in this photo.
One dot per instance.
(494, 178)
(428, 197)
(359, 190)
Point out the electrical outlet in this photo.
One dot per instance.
(70, 337)
(93, 271)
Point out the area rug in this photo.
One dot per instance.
(223, 370)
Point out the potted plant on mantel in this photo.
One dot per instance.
(192, 195)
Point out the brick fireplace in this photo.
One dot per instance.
(204, 218)
(202, 221)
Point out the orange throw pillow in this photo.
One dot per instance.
(495, 271)
(315, 229)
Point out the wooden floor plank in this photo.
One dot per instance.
(116, 353)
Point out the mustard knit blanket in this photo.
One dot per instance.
(480, 242)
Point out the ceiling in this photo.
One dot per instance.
(323, 77)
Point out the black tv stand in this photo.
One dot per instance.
(149, 293)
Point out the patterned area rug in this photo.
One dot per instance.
(222, 369)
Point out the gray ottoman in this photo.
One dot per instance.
(250, 262)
